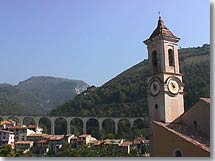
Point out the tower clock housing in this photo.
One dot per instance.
(165, 85)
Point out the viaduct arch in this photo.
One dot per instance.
(69, 119)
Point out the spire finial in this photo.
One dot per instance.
(159, 13)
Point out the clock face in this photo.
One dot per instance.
(155, 88)
(173, 86)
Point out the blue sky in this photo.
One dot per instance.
(91, 40)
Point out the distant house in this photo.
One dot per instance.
(86, 139)
(6, 137)
(43, 146)
(23, 146)
(7, 124)
(125, 147)
(21, 132)
(37, 137)
(113, 141)
(141, 145)
(69, 138)
(56, 142)
(36, 129)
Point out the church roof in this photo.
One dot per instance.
(188, 133)
(207, 100)
(162, 30)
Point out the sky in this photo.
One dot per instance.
(92, 41)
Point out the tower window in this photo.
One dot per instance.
(155, 60)
(195, 124)
(156, 106)
(177, 153)
(171, 57)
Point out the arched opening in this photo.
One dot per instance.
(45, 123)
(76, 126)
(140, 129)
(156, 106)
(108, 128)
(92, 126)
(60, 126)
(195, 124)
(171, 57)
(177, 153)
(124, 129)
(28, 121)
(15, 119)
(155, 60)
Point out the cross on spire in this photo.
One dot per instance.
(159, 13)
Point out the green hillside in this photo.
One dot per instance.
(38, 95)
(125, 95)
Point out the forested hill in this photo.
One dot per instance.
(38, 95)
(125, 95)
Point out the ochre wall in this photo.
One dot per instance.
(165, 142)
(196, 113)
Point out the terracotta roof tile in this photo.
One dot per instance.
(32, 126)
(6, 122)
(56, 137)
(24, 142)
(43, 141)
(17, 127)
(126, 143)
(162, 30)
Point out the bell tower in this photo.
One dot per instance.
(165, 86)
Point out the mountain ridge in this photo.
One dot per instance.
(38, 94)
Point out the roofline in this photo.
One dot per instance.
(190, 140)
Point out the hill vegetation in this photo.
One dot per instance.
(126, 94)
(38, 95)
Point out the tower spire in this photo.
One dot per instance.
(162, 30)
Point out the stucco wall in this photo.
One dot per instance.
(165, 142)
(196, 113)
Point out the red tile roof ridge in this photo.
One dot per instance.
(18, 127)
(23, 142)
(56, 137)
(32, 126)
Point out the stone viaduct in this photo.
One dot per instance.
(68, 120)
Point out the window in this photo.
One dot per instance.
(154, 59)
(195, 124)
(177, 153)
(171, 57)
(156, 106)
